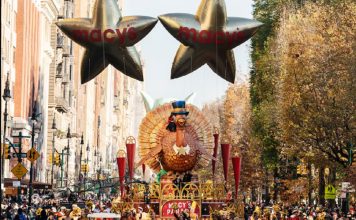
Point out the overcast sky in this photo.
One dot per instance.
(159, 48)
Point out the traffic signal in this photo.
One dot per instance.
(302, 169)
(6, 151)
(50, 160)
(85, 168)
(299, 169)
(57, 159)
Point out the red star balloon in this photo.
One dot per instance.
(208, 38)
(108, 38)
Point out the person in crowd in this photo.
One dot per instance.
(20, 215)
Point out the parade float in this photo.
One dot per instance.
(176, 141)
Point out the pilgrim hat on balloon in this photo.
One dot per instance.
(179, 108)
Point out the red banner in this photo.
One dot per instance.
(178, 206)
(130, 149)
(121, 164)
(225, 153)
(216, 143)
(236, 164)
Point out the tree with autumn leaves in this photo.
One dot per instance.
(303, 85)
(231, 115)
(316, 58)
(299, 108)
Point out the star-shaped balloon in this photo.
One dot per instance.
(108, 38)
(208, 38)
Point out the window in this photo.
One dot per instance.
(7, 13)
(8, 52)
(70, 98)
(70, 71)
(14, 21)
(14, 55)
(59, 69)
(64, 91)
(59, 40)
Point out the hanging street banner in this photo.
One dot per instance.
(19, 170)
(330, 192)
(32, 155)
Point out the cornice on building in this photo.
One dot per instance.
(49, 9)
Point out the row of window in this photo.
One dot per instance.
(8, 13)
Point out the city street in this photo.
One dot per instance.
(209, 109)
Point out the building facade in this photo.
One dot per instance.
(111, 104)
(43, 67)
(8, 69)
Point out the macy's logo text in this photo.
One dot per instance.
(209, 37)
(108, 35)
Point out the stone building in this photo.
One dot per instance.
(111, 104)
(44, 71)
(8, 70)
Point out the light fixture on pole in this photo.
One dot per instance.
(87, 163)
(80, 156)
(54, 128)
(34, 121)
(6, 96)
(67, 149)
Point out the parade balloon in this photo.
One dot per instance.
(108, 38)
(208, 38)
(188, 148)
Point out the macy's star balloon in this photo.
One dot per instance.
(108, 39)
(208, 38)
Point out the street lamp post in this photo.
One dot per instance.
(54, 128)
(62, 154)
(67, 149)
(6, 96)
(19, 159)
(86, 162)
(99, 172)
(33, 120)
(81, 153)
(62, 164)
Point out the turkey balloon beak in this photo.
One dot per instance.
(181, 122)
